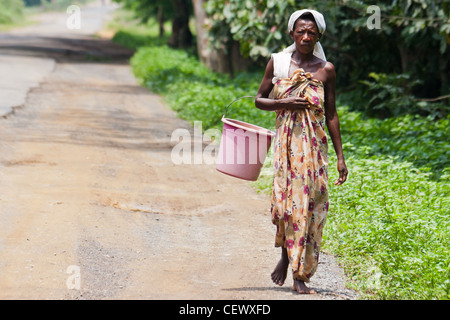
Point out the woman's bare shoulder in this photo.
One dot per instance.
(329, 67)
(330, 72)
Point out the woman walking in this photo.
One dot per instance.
(299, 85)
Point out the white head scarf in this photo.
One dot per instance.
(320, 21)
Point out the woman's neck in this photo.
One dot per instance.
(302, 58)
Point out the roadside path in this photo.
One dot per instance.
(87, 185)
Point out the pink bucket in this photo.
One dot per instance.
(243, 148)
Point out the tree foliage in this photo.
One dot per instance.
(413, 38)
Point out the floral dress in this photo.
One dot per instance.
(299, 203)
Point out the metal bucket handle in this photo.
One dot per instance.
(226, 110)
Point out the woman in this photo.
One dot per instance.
(299, 85)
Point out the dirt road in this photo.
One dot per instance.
(92, 207)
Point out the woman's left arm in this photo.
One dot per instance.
(332, 121)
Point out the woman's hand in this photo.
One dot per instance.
(343, 172)
(294, 103)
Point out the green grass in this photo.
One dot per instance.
(388, 225)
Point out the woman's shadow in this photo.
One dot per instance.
(288, 289)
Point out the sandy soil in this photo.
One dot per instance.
(92, 207)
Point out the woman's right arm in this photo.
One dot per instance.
(263, 102)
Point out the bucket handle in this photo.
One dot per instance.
(226, 110)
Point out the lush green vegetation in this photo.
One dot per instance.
(10, 10)
(390, 228)
(402, 59)
(389, 224)
(131, 33)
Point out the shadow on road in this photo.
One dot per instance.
(62, 49)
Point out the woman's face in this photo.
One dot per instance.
(305, 35)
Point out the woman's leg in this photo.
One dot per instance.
(280, 272)
(301, 287)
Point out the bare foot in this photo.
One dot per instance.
(301, 287)
(280, 272)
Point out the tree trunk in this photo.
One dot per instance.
(403, 57)
(161, 21)
(216, 60)
(181, 34)
(202, 39)
(443, 74)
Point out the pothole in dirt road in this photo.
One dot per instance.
(135, 208)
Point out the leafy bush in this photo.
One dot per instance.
(420, 140)
(10, 10)
(390, 228)
(131, 40)
(391, 95)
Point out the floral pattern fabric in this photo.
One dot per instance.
(299, 202)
